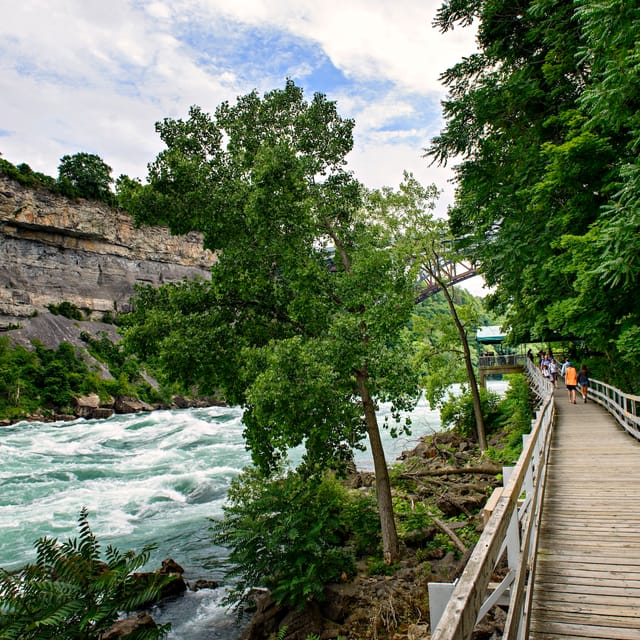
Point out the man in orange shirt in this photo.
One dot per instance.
(571, 380)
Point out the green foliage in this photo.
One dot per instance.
(514, 420)
(81, 175)
(289, 533)
(303, 322)
(86, 175)
(544, 118)
(457, 411)
(109, 318)
(66, 309)
(439, 354)
(26, 176)
(377, 567)
(19, 371)
(412, 515)
(49, 379)
(70, 593)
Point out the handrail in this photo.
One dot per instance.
(498, 360)
(511, 528)
(624, 407)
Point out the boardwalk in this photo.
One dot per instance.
(588, 565)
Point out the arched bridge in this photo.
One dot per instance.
(449, 272)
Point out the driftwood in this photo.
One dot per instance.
(488, 470)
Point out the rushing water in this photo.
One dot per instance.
(144, 478)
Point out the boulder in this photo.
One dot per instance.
(102, 413)
(170, 567)
(129, 626)
(127, 404)
(86, 405)
(204, 584)
(170, 574)
(339, 601)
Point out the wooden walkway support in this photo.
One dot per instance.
(587, 580)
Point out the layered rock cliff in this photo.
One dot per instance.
(53, 249)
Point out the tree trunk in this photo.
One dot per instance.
(390, 548)
(475, 394)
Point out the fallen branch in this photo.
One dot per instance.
(489, 470)
(452, 536)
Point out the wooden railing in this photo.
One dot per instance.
(624, 407)
(509, 537)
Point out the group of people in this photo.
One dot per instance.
(573, 378)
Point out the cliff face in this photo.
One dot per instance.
(53, 249)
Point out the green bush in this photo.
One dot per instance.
(66, 309)
(51, 378)
(378, 567)
(515, 415)
(70, 593)
(26, 176)
(289, 533)
(457, 412)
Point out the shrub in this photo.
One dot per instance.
(71, 594)
(66, 309)
(457, 412)
(515, 414)
(288, 533)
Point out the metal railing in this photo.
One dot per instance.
(624, 407)
(498, 360)
(511, 531)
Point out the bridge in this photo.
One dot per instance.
(449, 272)
(560, 552)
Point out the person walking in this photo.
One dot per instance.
(583, 381)
(571, 381)
(553, 371)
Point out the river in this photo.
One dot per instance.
(155, 477)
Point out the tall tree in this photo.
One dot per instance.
(423, 242)
(303, 320)
(544, 122)
(86, 175)
(510, 109)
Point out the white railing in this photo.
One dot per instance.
(624, 407)
(511, 531)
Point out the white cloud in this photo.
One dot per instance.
(78, 75)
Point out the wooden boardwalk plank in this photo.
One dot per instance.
(587, 583)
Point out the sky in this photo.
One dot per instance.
(96, 75)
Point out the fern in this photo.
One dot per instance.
(69, 593)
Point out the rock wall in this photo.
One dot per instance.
(53, 249)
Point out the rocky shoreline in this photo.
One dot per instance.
(91, 408)
(445, 469)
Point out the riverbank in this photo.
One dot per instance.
(445, 481)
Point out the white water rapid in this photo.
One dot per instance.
(144, 478)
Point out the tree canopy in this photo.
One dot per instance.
(86, 175)
(543, 119)
(304, 320)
